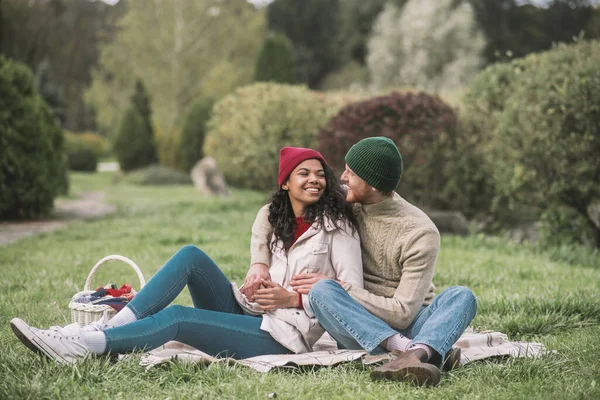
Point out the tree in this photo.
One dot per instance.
(190, 40)
(32, 162)
(134, 146)
(312, 26)
(193, 133)
(513, 30)
(59, 40)
(275, 61)
(356, 22)
(428, 44)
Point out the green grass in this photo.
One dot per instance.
(528, 293)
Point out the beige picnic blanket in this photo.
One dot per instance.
(474, 346)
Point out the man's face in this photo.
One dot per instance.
(359, 191)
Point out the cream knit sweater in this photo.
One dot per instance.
(400, 245)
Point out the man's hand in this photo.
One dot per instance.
(302, 283)
(256, 275)
(274, 296)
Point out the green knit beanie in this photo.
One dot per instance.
(377, 161)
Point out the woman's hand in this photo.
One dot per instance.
(274, 296)
(256, 275)
(302, 283)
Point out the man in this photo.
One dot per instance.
(396, 310)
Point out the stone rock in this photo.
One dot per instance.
(208, 179)
(453, 222)
(527, 232)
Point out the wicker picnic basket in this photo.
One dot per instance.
(86, 313)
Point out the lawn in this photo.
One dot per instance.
(550, 296)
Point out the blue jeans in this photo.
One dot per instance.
(438, 325)
(215, 325)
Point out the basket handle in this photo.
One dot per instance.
(126, 260)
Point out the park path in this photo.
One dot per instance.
(88, 205)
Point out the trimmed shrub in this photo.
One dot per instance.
(80, 154)
(99, 144)
(193, 132)
(275, 62)
(422, 126)
(168, 146)
(32, 160)
(134, 146)
(539, 131)
(158, 175)
(249, 127)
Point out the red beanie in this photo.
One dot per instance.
(290, 157)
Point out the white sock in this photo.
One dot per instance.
(95, 341)
(428, 349)
(123, 317)
(397, 342)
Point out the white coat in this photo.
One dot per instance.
(326, 250)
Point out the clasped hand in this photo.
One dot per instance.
(302, 283)
(273, 296)
(256, 275)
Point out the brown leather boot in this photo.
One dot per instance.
(452, 360)
(411, 367)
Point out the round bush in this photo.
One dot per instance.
(32, 161)
(543, 137)
(99, 144)
(422, 126)
(81, 155)
(249, 127)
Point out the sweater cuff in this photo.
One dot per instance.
(347, 286)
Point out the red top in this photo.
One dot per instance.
(300, 228)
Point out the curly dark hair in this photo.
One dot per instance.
(332, 205)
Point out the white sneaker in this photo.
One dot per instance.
(64, 345)
(97, 326)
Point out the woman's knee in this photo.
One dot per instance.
(193, 257)
(191, 251)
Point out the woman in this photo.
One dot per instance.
(313, 231)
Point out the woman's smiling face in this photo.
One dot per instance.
(305, 185)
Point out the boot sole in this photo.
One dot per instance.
(453, 359)
(34, 342)
(419, 374)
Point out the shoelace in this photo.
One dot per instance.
(68, 330)
(99, 325)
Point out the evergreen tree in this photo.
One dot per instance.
(312, 26)
(193, 133)
(32, 163)
(135, 147)
(275, 61)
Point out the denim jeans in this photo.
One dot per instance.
(215, 325)
(438, 325)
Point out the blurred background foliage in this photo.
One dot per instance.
(493, 102)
